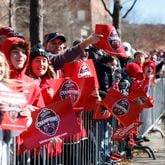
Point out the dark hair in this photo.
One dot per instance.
(76, 42)
(38, 50)
(107, 59)
(21, 44)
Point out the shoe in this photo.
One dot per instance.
(146, 139)
(115, 157)
(129, 154)
(138, 140)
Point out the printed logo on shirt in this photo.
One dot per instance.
(70, 89)
(47, 122)
(121, 107)
(84, 71)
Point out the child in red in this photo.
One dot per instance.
(144, 80)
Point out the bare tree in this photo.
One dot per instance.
(116, 16)
(36, 21)
(11, 14)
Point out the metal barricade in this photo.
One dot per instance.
(151, 116)
(92, 151)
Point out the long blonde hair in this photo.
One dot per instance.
(6, 75)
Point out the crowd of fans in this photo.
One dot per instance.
(30, 71)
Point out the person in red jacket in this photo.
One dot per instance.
(146, 81)
(40, 70)
(16, 51)
(7, 106)
(134, 70)
(147, 77)
(17, 54)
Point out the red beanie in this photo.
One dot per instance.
(150, 63)
(133, 69)
(7, 31)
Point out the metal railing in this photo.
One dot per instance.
(151, 116)
(94, 149)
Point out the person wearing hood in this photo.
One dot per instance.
(15, 108)
(16, 51)
(17, 54)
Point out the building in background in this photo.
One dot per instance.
(76, 19)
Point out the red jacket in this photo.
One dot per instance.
(32, 90)
(52, 149)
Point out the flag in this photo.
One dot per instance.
(122, 132)
(101, 113)
(110, 42)
(91, 104)
(11, 118)
(81, 69)
(122, 108)
(84, 69)
(78, 90)
(57, 119)
(140, 96)
(50, 88)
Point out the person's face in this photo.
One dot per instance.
(148, 71)
(154, 58)
(18, 57)
(63, 47)
(114, 40)
(2, 68)
(55, 46)
(113, 65)
(118, 77)
(139, 58)
(40, 66)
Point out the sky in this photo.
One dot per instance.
(146, 11)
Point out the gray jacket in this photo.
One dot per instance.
(58, 60)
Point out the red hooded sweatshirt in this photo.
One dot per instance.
(31, 91)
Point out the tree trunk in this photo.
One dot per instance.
(36, 21)
(12, 14)
(116, 16)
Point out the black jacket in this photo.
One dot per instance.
(104, 77)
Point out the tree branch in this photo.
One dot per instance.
(106, 9)
(124, 16)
